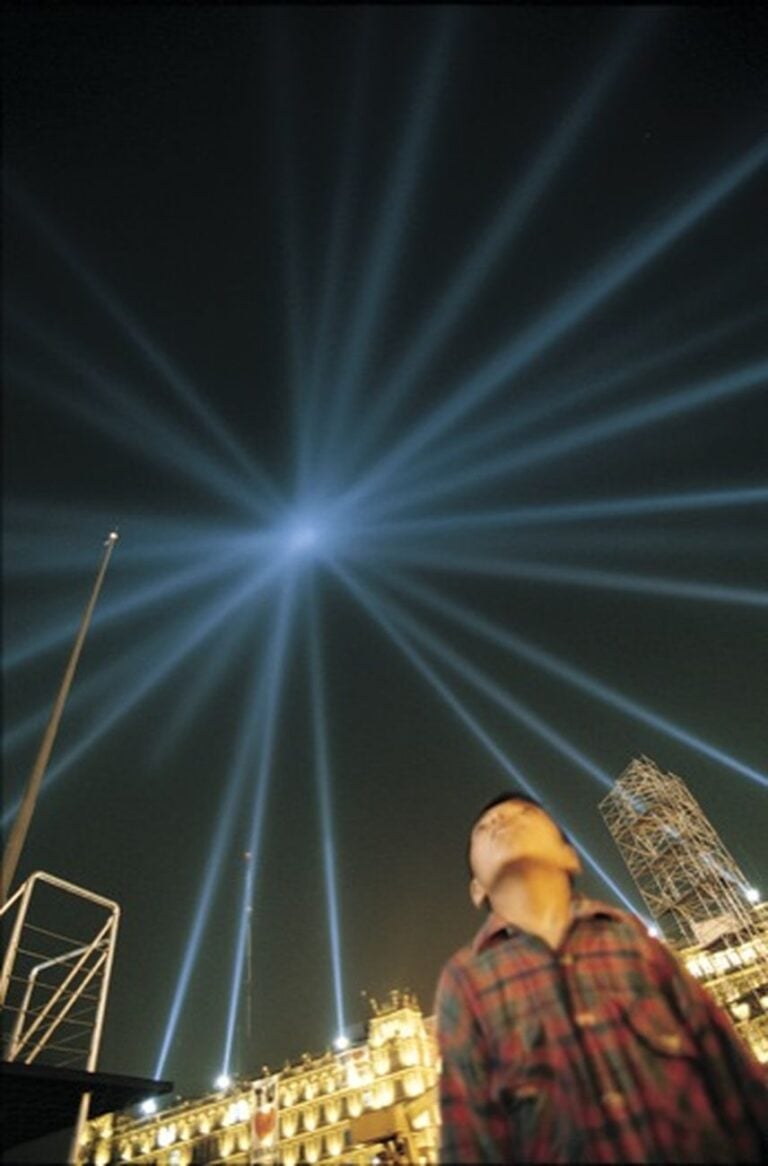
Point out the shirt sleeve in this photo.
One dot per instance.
(472, 1127)
(737, 1082)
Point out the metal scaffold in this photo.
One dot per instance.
(690, 883)
(695, 890)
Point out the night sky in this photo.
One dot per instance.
(420, 356)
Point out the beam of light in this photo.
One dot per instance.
(135, 602)
(156, 358)
(672, 403)
(47, 539)
(371, 605)
(275, 668)
(586, 510)
(31, 726)
(278, 66)
(476, 677)
(221, 846)
(386, 246)
(191, 632)
(572, 307)
(126, 420)
(308, 421)
(498, 236)
(550, 400)
(562, 670)
(323, 785)
(553, 544)
(588, 577)
(204, 681)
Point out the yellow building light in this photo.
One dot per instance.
(288, 1122)
(166, 1136)
(414, 1083)
(310, 1117)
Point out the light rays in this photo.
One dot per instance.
(564, 671)
(584, 577)
(121, 698)
(499, 696)
(435, 493)
(373, 608)
(255, 706)
(675, 403)
(572, 308)
(324, 793)
(309, 419)
(275, 667)
(386, 246)
(586, 510)
(495, 242)
(129, 424)
(294, 290)
(136, 603)
(586, 386)
(158, 360)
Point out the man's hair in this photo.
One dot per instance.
(507, 796)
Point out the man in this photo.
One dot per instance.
(568, 1034)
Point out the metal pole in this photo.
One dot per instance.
(23, 818)
(249, 969)
(85, 1100)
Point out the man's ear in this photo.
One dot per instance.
(477, 893)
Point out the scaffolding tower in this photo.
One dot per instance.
(690, 883)
(695, 891)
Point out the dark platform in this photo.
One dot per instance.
(36, 1100)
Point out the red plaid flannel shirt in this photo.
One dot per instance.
(605, 1050)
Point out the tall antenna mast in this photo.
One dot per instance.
(26, 809)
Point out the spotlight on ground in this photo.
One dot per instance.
(223, 1082)
(149, 1106)
(752, 895)
(341, 1042)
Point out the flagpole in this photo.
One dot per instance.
(18, 835)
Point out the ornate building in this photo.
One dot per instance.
(374, 1102)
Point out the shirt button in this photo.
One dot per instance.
(614, 1101)
(585, 1019)
(566, 960)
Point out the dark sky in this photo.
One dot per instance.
(225, 227)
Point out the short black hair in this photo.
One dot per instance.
(507, 796)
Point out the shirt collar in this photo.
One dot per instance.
(581, 908)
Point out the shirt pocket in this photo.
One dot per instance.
(654, 1023)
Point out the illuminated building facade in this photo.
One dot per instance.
(373, 1102)
(695, 891)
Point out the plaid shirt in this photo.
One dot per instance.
(605, 1050)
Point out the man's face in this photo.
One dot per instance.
(510, 834)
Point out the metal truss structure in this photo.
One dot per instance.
(55, 974)
(694, 890)
(690, 883)
(54, 985)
